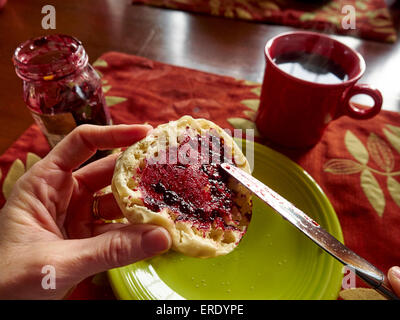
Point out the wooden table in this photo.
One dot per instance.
(222, 46)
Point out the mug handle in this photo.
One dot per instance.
(367, 113)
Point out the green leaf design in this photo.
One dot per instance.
(307, 16)
(356, 147)
(394, 189)
(343, 166)
(334, 20)
(256, 91)
(250, 114)
(241, 123)
(361, 5)
(373, 191)
(380, 22)
(31, 159)
(106, 88)
(380, 152)
(393, 139)
(394, 129)
(251, 103)
(243, 14)
(111, 100)
(372, 14)
(16, 170)
(99, 73)
(100, 63)
(249, 83)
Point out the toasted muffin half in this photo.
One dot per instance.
(173, 178)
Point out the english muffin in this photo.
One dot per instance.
(173, 178)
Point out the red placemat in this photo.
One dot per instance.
(372, 17)
(357, 163)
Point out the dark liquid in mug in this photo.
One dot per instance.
(311, 67)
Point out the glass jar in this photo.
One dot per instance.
(60, 87)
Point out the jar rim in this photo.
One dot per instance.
(49, 57)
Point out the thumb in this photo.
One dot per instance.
(115, 248)
(394, 279)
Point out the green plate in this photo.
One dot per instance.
(273, 261)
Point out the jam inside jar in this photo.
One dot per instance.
(60, 87)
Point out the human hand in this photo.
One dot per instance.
(48, 219)
(394, 279)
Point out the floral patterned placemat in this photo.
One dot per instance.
(372, 18)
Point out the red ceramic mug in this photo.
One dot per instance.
(294, 112)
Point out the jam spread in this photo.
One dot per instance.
(194, 190)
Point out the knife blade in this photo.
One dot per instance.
(362, 268)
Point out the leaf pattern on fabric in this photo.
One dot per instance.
(393, 136)
(373, 18)
(241, 123)
(112, 100)
(16, 170)
(100, 63)
(214, 6)
(106, 88)
(394, 189)
(270, 5)
(256, 91)
(307, 16)
(373, 191)
(343, 166)
(252, 104)
(380, 152)
(249, 83)
(250, 114)
(361, 5)
(243, 14)
(31, 159)
(356, 147)
(394, 129)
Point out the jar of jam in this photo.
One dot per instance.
(60, 87)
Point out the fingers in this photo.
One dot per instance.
(82, 143)
(81, 218)
(394, 279)
(107, 207)
(115, 248)
(97, 174)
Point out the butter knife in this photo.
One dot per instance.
(362, 268)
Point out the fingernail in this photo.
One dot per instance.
(156, 241)
(395, 271)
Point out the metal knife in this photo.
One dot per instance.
(365, 270)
